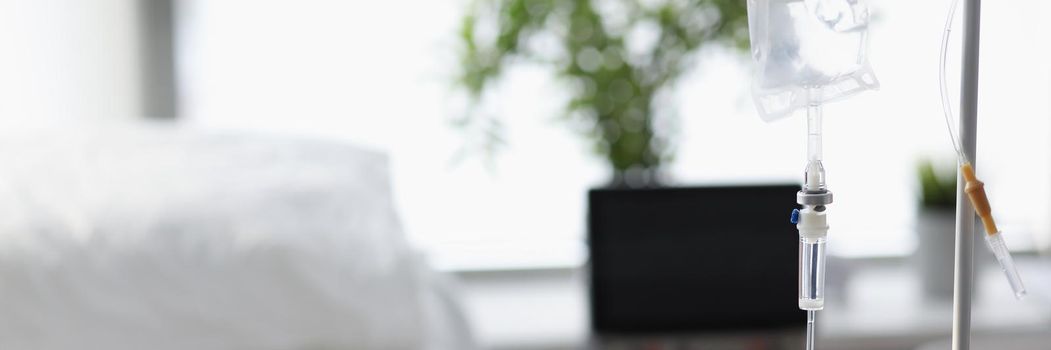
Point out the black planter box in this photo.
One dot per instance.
(698, 259)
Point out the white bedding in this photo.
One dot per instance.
(156, 238)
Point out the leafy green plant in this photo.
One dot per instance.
(614, 75)
(937, 186)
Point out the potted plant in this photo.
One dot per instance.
(613, 77)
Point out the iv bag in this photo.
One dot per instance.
(807, 52)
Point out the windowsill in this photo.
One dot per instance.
(889, 242)
(511, 255)
(879, 304)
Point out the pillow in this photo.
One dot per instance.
(162, 238)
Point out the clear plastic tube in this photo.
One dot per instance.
(1007, 264)
(943, 84)
(814, 174)
(814, 147)
(811, 333)
(812, 273)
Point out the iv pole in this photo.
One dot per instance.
(964, 265)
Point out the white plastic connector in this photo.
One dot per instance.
(812, 224)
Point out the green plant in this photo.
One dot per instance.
(613, 84)
(937, 186)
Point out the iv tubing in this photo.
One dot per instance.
(814, 147)
(812, 227)
(814, 179)
(974, 188)
(946, 105)
(810, 315)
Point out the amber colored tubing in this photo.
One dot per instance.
(976, 193)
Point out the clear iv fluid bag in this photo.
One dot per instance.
(808, 52)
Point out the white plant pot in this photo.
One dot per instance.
(935, 255)
(936, 230)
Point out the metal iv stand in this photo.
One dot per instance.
(964, 265)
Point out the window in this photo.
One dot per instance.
(378, 74)
(68, 60)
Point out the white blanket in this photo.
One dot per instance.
(153, 238)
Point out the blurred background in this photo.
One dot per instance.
(495, 118)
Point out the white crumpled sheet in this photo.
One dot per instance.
(156, 238)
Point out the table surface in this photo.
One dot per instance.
(880, 306)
